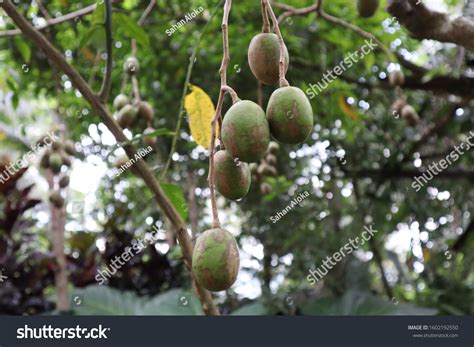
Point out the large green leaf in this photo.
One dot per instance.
(176, 196)
(103, 300)
(130, 28)
(253, 309)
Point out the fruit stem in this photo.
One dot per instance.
(107, 82)
(218, 114)
(266, 22)
(281, 43)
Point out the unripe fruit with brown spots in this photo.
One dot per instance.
(264, 57)
(56, 199)
(245, 131)
(367, 8)
(396, 78)
(131, 66)
(216, 260)
(120, 101)
(232, 177)
(290, 115)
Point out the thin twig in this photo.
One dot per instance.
(266, 22)
(107, 82)
(79, 13)
(218, 114)
(141, 21)
(281, 43)
(185, 91)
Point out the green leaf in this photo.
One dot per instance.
(253, 309)
(93, 33)
(130, 28)
(173, 302)
(98, 16)
(24, 49)
(176, 196)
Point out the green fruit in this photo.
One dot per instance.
(55, 162)
(120, 101)
(131, 66)
(367, 8)
(216, 260)
(245, 131)
(145, 111)
(232, 177)
(264, 57)
(126, 116)
(56, 199)
(66, 160)
(290, 115)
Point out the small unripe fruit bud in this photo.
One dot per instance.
(397, 106)
(265, 188)
(126, 116)
(397, 78)
(367, 8)
(56, 146)
(410, 115)
(44, 163)
(149, 140)
(274, 147)
(64, 181)
(145, 112)
(55, 162)
(271, 159)
(56, 199)
(69, 148)
(66, 160)
(131, 66)
(120, 101)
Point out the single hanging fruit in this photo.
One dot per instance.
(264, 57)
(245, 131)
(216, 260)
(367, 8)
(290, 115)
(232, 177)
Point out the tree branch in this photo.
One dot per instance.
(102, 111)
(53, 21)
(423, 23)
(107, 82)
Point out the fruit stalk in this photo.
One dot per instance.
(266, 22)
(281, 42)
(218, 114)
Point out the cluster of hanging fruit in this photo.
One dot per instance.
(246, 132)
(138, 115)
(55, 158)
(400, 107)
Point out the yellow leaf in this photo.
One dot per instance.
(2, 136)
(346, 108)
(200, 111)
